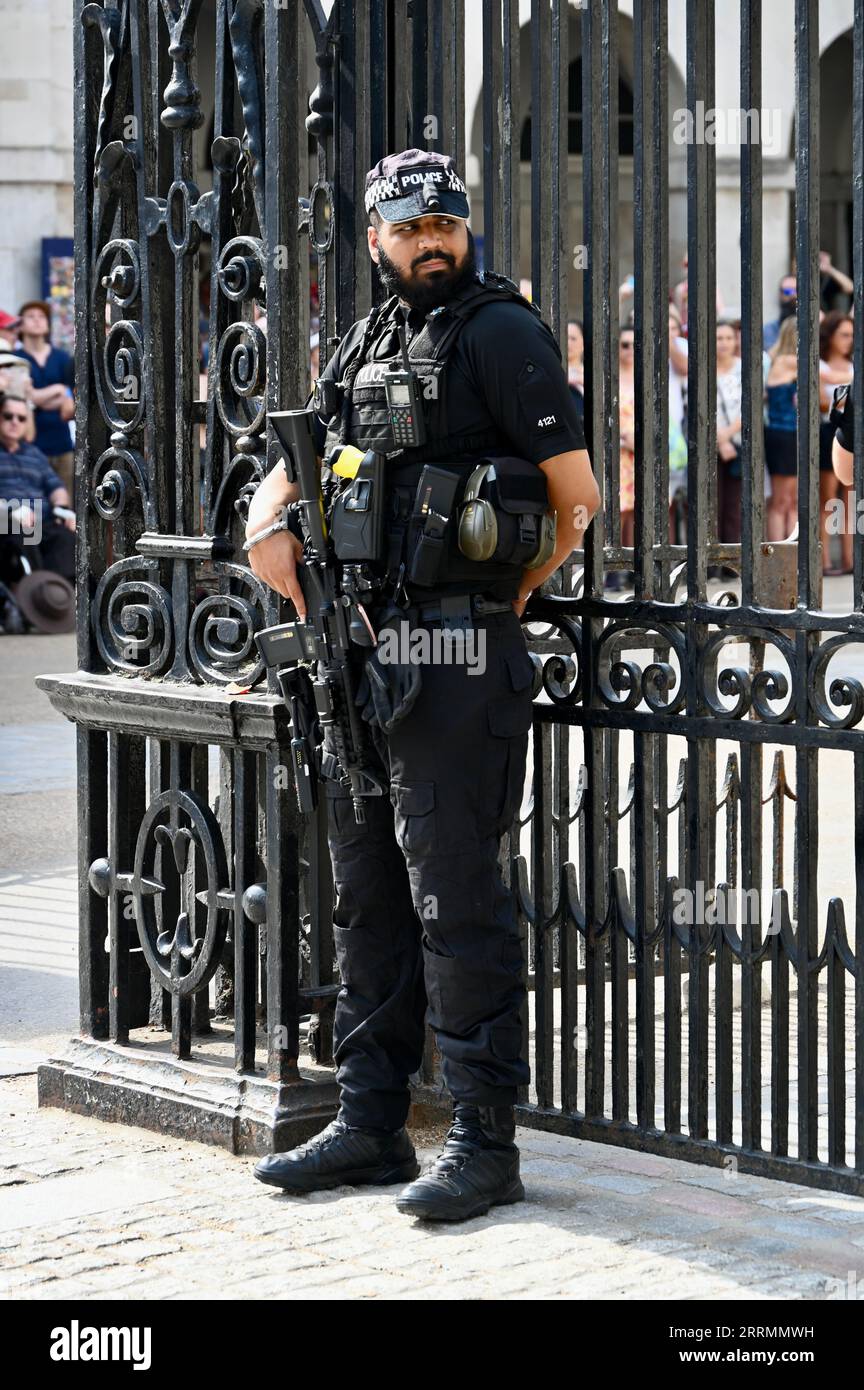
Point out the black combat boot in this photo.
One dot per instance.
(342, 1156)
(477, 1169)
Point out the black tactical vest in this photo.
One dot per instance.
(363, 420)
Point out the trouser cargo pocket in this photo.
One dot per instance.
(509, 720)
(414, 816)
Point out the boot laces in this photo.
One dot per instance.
(324, 1136)
(462, 1141)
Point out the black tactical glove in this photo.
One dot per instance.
(388, 688)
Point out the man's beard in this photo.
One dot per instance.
(788, 307)
(427, 290)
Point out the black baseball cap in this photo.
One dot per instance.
(416, 183)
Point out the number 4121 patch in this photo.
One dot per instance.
(537, 394)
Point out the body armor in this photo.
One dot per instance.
(363, 421)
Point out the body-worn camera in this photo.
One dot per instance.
(326, 397)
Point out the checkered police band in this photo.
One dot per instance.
(382, 189)
(407, 181)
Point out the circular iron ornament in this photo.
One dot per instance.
(181, 229)
(620, 683)
(322, 223)
(178, 844)
(112, 493)
(132, 619)
(241, 268)
(561, 674)
(844, 689)
(120, 283)
(775, 685)
(732, 680)
(123, 358)
(561, 679)
(114, 476)
(117, 349)
(659, 679)
(241, 364)
(222, 628)
(772, 685)
(749, 691)
(624, 684)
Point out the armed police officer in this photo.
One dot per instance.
(456, 383)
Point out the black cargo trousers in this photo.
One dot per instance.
(421, 913)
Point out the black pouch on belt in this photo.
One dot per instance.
(433, 503)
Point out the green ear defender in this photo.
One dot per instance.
(478, 524)
(546, 543)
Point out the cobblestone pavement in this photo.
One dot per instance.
(92, 1211)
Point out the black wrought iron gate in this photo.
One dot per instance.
(235, 134)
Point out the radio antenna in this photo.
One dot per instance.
(400, 329)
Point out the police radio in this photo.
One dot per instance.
(404, 405)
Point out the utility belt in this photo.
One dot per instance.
(458, 610)
(441, 525)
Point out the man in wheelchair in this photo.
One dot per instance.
(37, 530)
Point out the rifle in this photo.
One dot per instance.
(311, 658)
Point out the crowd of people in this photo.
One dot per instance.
(780, 412)
(37, 475)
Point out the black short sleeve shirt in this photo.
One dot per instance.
(503, 373)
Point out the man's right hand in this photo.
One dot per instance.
(275, 561)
